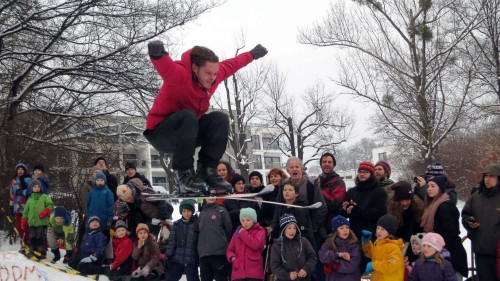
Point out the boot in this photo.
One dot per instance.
(187, 182)
(57, 254)
(210, 176)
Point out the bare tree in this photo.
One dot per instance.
(402, 56)
(349, 157)
(74, 61)
(320, 127)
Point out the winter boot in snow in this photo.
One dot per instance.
(187, 183)
(210, 176)
(57, 254)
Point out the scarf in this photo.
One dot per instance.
(428, 221)
(324, 178)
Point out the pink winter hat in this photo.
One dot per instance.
(434, 240)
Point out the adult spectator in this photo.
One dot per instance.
(435, 169)
(275, 177)
(442, 217)
(225, 171)
(481, 219)
(39, 174)
(332, 187)
(111, 180)
(383, 173)
(407, 209)
(255, 182)
(132, 173)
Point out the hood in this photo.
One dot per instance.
(398, 242)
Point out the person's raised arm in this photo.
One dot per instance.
(163, 63)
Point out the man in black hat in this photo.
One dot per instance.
(132, 173)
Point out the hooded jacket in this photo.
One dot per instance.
(35, 205)
(387, 258)
(179, 91)
(93, 242)
(289, 255)
(215, 230)
(246, 247)
(100, 203)
(17, 201)
(346, 270)
(65, 229)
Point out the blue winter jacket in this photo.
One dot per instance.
(93, 242)
(100, 203)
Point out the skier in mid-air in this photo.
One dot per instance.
(177, 122)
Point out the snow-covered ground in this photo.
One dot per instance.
(15, 267)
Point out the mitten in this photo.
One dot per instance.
(145, 271)
(137, 273)
(44, 213)
(369, 268)
(258, 52)
(156, 49)
(366, 236)
(89, 259)
(24, 224)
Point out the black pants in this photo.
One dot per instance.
(214, 267)
(181, 132)
(486, 268)
(38, 235)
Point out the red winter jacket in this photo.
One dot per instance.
(122, 249)
(179, 91)
(246, 247)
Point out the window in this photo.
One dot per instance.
(382, 156)
(257, 164)
(256, 142)
(269, 143)
(155, 161)
(130, 158)
(272, 162)
(160, 181)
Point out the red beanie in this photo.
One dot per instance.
(366, 166)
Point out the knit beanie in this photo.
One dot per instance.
(23, 166)
(385, 166)
(389, 223)
(249, 213)
(440, 181)
(141, 226)
(130, 165)
(256, 173)
(418, 238)
(287, 219)
(402, 191)
(40, 167)
(98, 159)
(366, 166)
(122, 207)
(100, 176)
(434, 240)
(186, 204)
(124, 193)
(327, 154)
(93, 218)
(236, 178)
(120, 223)
(339, 221)
(34, 183)
(493, 169)
(59, 211)
(96, 168)
(435, 169)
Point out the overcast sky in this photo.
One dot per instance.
(274, 24)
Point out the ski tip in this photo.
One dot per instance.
(267, 189)
(316, 205)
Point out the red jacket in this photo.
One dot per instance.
(122, 249)
(179, 91)
(246, 247)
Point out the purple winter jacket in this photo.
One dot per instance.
(430, 270)
(347, 270)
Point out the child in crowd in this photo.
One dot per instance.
(246, 246)
(39, 174)
(234, 206)
(19, 193)
(215, 233)
(182, 241)
(36, 215)
(146, 255)
(386, 253)
(416, 249)
(432, 266)
(341, 254)
(292, 256)
(122, 212)
(91, 251)
(122, 251)
(100, 203)
(61, 228)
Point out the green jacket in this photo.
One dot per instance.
(65, 229)
(35, 205)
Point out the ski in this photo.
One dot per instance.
(157, 197)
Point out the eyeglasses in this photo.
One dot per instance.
(363, 172)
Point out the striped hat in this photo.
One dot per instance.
(124, 193)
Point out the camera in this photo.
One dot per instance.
(423, 176)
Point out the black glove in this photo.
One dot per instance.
(156, 50)
(258, 52)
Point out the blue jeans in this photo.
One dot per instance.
(175, 271)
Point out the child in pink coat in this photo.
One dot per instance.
(246, 246)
